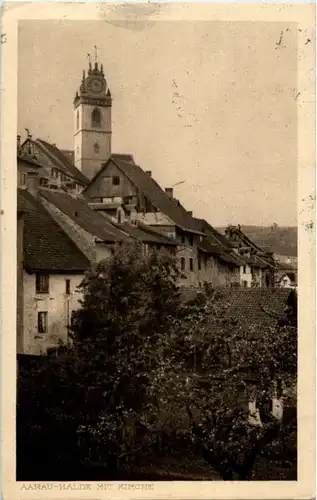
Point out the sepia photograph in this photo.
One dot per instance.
(157, 248)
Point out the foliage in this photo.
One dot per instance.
(143, 365)
(231, 366)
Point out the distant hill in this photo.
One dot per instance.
(278, 239)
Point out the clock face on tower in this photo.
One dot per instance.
(96, 86)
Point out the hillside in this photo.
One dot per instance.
(278, 239)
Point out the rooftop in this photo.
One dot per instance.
(62, 161)
(153, 192)
(79, 211)
(46, 246)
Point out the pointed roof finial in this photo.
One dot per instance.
(84, 77)
(96, 57)
(89, 60)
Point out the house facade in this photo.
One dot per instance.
(52, 269)
(122, 189)
(59, 172)
(259, 267)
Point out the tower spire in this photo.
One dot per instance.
(89, 62)
(96, 57)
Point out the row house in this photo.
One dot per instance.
(58, 165)
(53, 268)
(259, 269)
(59, 237)
(123, 191)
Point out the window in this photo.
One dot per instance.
(191, 264)
(42, 322)
(96, 118)
(244, 269)
(42, 283)
(67, 286)
(199, 262)
(191, 240)
(245, 284)
(119, 217)
(96, 147)
(182, 263)
(116, 180)
(23, 178)
(77, 120)
(43, 181)
(183, 239)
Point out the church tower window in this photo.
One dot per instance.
(96, 118)
(77, 120)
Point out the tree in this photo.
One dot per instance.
(142, 363)
(224, 366)
(96, 392)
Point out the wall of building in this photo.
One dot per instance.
(257, 277)
(245, 276)
(20, 294)
(56, 303)
(159, 220)
(103, 252)
(103, 186)
(87, 159)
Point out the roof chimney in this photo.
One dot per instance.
(149, 173)
(190, 213)
(169, 192)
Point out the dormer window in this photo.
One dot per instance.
(96, 118)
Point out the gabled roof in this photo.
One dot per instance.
(46, 246)
(243, 237)
(152, 191)
(216, 244)
(62, 161)
(147, 234)
(214, 235)
(260, 307)
(85, 217)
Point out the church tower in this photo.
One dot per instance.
(92, 121)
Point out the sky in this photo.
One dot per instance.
(208, 104)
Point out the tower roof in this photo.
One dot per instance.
(93, 86)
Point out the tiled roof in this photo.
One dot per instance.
(216, 244)
(62, 161)
(243, 237)
(147, 234)
(153, 192)
(46, 246)
(256, 306)
(87, 218)
(69, 153)
(214, 235)
(23, 204)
